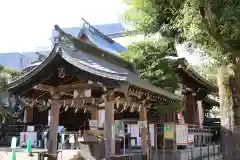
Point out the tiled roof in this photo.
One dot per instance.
(90, 59)
(112, 46)
(106, 29)
(98, 35)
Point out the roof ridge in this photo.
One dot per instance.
(189, 67)
(96, 31)
(75, 40)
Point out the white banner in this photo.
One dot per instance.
(200, 114)
(181, 118)
(181, 134)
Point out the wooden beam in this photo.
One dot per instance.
(80, 101)
(67, 87)
(94, 119)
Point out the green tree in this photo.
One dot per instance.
(208, 71)
(153, 60)
(214, 27)
(5, 115)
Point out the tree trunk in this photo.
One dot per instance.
(229, 96)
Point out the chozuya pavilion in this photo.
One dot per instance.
(78, 76)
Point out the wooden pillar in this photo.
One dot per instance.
(94, 119)
(29, 115)
(53, 130)
(109, 128)
(174, 117)
(191, 109)
(146, 148)
(195, 109)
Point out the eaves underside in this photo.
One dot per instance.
(185, 66)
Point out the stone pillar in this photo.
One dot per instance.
(53, 130)
(109, 128)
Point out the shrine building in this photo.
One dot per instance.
(78, 80)
(93, 88)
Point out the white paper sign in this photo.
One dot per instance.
(101, 114)
(190, 138)
(30, 128)
(133, 142)
(142, 124)
(152, 134)
(93, 123)
(25, 136)
(60, 129)
(71, 138)
(134, 130)
(14, 142)
(181, 134)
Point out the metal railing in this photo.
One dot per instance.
(208, 152)
(196, 129)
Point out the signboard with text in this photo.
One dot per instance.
(190, 138)
(181, 134)
(169, 130)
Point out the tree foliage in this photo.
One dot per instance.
(213, 27)
(153, 60)
(5, 76)
(208, 71)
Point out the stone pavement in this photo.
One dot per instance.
(65, 155)
(214, 158)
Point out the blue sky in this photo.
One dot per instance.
(27, 24)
